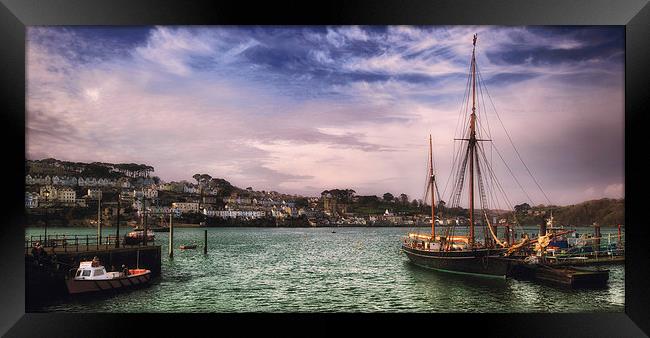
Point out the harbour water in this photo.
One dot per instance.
(325, 270)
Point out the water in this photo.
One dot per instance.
(315, 270)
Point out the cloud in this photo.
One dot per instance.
(302, 109)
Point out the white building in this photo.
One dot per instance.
(30, 180)
(155, 209)
(87, 182)
(64, 180)
(62, 194)
(249, 214)
(184, 207)
(66, 195)
(31, 200)
(148, 193)
(190, 189)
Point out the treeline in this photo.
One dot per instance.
(606, 212)
(52, 166)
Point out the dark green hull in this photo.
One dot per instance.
(484, 262)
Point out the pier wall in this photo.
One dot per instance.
(45, 278)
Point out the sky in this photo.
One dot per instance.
(303, 109)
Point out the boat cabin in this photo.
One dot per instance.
(92, 270)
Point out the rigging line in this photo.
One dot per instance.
(458, 187)
(513, 175)
(465, 98)
(490, 187)
(456, 150)
(481, 147)
(498, 185)
(515, 148)
(460, 151)
(481, 85)
(493, 146)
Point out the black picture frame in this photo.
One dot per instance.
(15, 15)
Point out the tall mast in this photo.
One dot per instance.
(472, 143)
(433, 201)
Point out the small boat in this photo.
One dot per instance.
(92, 277)
(137, 237)
(191, 246)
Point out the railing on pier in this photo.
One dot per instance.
(76, 243)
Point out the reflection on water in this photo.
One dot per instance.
(314, 270)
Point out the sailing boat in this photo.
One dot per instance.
(461, 253)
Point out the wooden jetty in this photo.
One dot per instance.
(563, 275)
(47, 269)
(586, 260)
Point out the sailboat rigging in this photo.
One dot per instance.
(445, 250)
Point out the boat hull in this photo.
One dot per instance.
(483, 262)
(85, 286)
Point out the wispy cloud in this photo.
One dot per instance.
(301, 109)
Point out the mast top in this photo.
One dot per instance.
(474, 42)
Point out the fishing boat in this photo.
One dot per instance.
(188, 246)
(464, 253)
(91, 276)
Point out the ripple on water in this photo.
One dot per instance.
(313, 270)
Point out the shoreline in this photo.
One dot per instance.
(191, 225)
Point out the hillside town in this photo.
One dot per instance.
(72, 193)
(81, 194)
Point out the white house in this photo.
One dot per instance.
(190, 189)
(64, 180)
(148, 193)
(31, 200)
(184, 207)
(64, 194)
(249, 214)
(30, 180)
(87, 182)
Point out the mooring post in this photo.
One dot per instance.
(598, 236)
(171, 237)
(117, 228)
(205, 242)
(99, 220)
(619, 234)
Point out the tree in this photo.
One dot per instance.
(521, 208)
(441, 206)
(404, 198)
(388, 197)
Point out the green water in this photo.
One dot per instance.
(315, 270)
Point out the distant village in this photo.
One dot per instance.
(73, 193)
(79, 194)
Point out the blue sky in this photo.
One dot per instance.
(303, 109)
